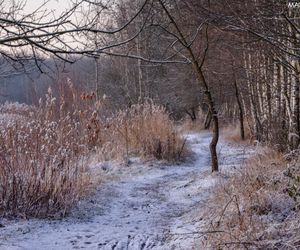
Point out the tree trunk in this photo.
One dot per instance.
(295, 111)
(207, 120)
(241, 113)
(204, 84)
(97, 78)
(295, 99)
(214, 142)
(192, 114)
(214, 114)
(253, 107)
(139, 66)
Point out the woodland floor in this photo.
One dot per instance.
(149, 205)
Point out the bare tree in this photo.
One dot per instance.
(25, 37)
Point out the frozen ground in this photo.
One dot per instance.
(152, 206)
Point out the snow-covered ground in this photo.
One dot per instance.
(149, 206)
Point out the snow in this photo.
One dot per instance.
(145, 206)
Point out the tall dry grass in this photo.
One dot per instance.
(253, 209)
(146, 130)
(42, 163)
(44, 151)
(232, 133)
(197, 125)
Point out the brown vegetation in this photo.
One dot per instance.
(146, 129)
(43, 168)
(232, 133)
(256, 207)
(45, 150)
(194, 125)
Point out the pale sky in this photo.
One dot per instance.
(56, 5)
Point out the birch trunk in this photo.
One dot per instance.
(241, 113)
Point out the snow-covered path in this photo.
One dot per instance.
(154, 209)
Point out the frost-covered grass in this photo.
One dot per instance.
(146, 130)
(42, 168)
(45, 150)
(253, 210)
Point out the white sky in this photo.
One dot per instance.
(56, 5)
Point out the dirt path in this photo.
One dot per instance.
(152, 210)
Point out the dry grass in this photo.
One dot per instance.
(42, 164)
(232, 134)
(143, 130)
(44, 150)
(194, 126)
(252, 210)
(147, 130)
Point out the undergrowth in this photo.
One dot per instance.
(148, 131)
(44, 152)
(232, 133)
(255, 208)
(43, 169)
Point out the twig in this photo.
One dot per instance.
(223, 211)
(200, 232)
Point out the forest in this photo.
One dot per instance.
(149, 124)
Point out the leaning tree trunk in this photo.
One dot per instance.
(214, 114)
(192, 114)
(203, 83)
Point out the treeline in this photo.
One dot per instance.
(248, 53)
(235, 61)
